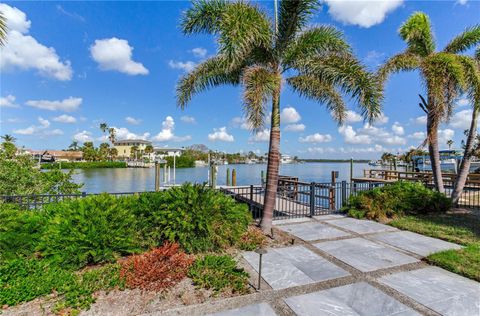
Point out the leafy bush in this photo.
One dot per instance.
(22, 280)
(20, 231)
(184, 161)
(84, 165)
(252, 239)
(90, 230)
(195, 216)
(157, 269)
(219, 273)
(397, 199)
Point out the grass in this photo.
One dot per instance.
(463, 229)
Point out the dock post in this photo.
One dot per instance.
(234, 178)
(344, 193)
(165, 173)
(262, 177)
(332, 190)
(251, 192)
(157, 176)
(228, 176)
(312, 199)
(351, 169)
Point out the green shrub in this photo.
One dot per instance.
(252, 239)
(195, 216)
(219, 273)
(20, 231)
(90, 230)
(397, 199)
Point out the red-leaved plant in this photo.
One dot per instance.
(157, 269)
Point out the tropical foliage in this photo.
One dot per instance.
(445, 73)
(259, 55)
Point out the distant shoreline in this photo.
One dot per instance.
(335, 160)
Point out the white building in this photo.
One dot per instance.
(161, 153)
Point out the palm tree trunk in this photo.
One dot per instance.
(272, 167)
(467, 158)
(432, 134)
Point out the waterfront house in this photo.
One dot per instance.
(54, 155)
(161, 153)
(124, 147)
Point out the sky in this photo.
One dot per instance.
(68, 66)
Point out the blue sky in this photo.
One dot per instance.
(68, 66)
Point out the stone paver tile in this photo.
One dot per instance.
(361, 226)
(364, 255)
(442, 291)
(313, 231)
(416, 243)
(353, 299)
(291, 220)
(328, 217)
(292, 266)
(261, 309)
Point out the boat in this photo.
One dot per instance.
(449, 161)
(286, 159)
(374, 163)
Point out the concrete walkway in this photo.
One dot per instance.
(345, 266)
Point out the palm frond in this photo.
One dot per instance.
(349, 75)
(318, 40)
(212, 72)
(312, 88)
(472, 78)
(259, 84)
(293, 17)
(243, 27)
(397, 63)
(466, 40)
(477, 54)
(203, 17)
(417, 32)
(3, 29)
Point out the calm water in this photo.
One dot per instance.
(139, 179)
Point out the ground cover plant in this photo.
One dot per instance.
(77, 247)
(395, 200)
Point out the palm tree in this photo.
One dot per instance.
(8, 138)
(3, 29)
(449, 143)
(111, 132)
(261, 55)
(445, 73)
(73, 145)
(103, 127)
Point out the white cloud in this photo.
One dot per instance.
(351, 137)
(444, 135)
(123, 133)
(167, 134)
(55, 132)
(382, 119)
(295, 128)
(132, 120)
(188, 119)
(398, 129)
(25, 52)
(83, 137)
(8, 102)
(374, 58)
(116, 54)
(186, 66)
(26, 131)
(421, 120)
(67, 105)
(353, 117)
(289, 115)
(199, 52)
(43, 122)
(39, 130)
(220, 134)
(316, 138)
(64, 118)
(418, 135)
(240, 122)
(463, 102)
(462, 2)
(461, 119)
(260, 137)
(364, 13)
(321, 150)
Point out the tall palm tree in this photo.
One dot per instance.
(445, 74)
(8, 138)
(73, 145)
(103, 127)
(261, 56)
(3, 29)
(449, 143)
(110, 130)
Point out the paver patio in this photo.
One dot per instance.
(415, 243)
(353, 299)
(313, 231)
(361, 226)
(442, 291)
(262, 309)
(292, 266)
(365, 255)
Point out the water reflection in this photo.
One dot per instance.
(139, 179)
